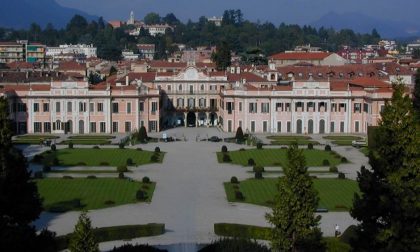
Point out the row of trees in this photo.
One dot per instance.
(246, 38)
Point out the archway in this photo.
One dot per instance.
(321, 126)
(81, 127)
(180, 119)
(299, 126)
(191, 119)
(310, 126)
(69, 126)
(213, 118)
(202, 119)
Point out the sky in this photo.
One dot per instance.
(276, 11)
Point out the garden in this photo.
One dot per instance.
(33, 139)
(67, 193)
(288, 140)
(89, 139)
(334, 194)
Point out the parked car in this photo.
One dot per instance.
(359, 143)
(215, 139)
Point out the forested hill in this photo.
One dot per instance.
(240, 35)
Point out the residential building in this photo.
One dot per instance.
(313, 58)
(12, 51)
(216, 20)
(147, 51)
(88, 50)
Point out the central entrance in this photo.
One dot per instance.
(191, 119)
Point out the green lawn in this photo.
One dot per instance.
(334, 194)
(59, 194)
(89, 139)
(342, 140)
(97, 157)
(33, 139)
(277, 157)
(288, 140)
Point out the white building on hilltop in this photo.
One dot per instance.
(88, 50)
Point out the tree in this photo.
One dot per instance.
(295, 226)
(416, 53)
(152, 18)
(416, 95)
(170, 19)
(239, 135)
(20, 203)
(83, 238)
(94, 78)
(222, 56)
(388, 206)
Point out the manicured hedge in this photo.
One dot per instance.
(117, 233)
(242, 231)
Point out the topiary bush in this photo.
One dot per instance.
(122, 168)
(91, 177)
(96, 147)
(325, 162)
(239, 195)
(157, 150)
(310, 146)
(341, 175)
(251, 162)
(121, 175)
(333, 169)
(234, 180)
(109, 202)
(121, 145)
(154, 158)
(139, 149)
(258, 168)
(142, 135)
(53, 147)
(259, 145)
(141, 195)
(344, 160)
(70, 145)
(226, 158)
(239, 135)
(129, 161)
(224, 149)
(327, 147)
(258, 175)
(146, 180)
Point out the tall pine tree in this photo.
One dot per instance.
(295, 225)
(83, 238)
(388, 207)
(20, 204)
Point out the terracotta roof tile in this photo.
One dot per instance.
(300, 56)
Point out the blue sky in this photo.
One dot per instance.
(276, 11)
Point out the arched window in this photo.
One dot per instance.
(58, 124)
(202, 87)
(180, 87)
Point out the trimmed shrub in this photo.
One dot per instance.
(46, 168)
(234, 180)
(38, 175)
(139, 149)
(146, 180)
(129, 161)
(70, 145)
(251, 162)
(239, 135)
(104, 163)
(142, 135)
(226, 158)
(333, 169)
(224, 149)
(109, 202)
(122, 168)
(259, 145)
(344, 160)
(327, 147)
(239, 195)
(310, 146)
(341, 175)
(325, 162)
(96, 147)
(154, 158)
(241, 149)
(141, 195)
(244, 232)
(157, 149)
(121, 145)
(91, 177)
(137, 248)
(67, 177)
(259, 175)
(258, 168)
(53, 147)
(121, 175)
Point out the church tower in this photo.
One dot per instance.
(131, 20)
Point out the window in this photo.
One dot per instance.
(278, 126)
(366, 107)
(47, 127)
(356, 126)
(69, 107)
(279, 106)
(154, 107)
(46, 107)
(289, 128)
(322, 107)
(114, 107)
(202, 87)
(128, 107)
(21, 107)
(341, 127)
(141, 106)
(299, 106)
(153, 125)
(100, 107)
(57, 125)
(37, 127)
(114, 127)
(240, 123)
(265, 107)
(253, 107)
(252, 126)
(333, 107)
(180, 102)
(342, 107)
(92, 127)
(265, 126)
(180, 87)
(202, 102)
(357, 108)
(287, 107)
(382, 108)
(310, 107)
(229, 107)
(102, 126)
(91, 107)
(169, 87)
(82, 107)
(229, 125)
(36, 107)
(127, 126)
(57, 107)
(240, 106)
(332, 127)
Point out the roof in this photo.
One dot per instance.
(249, 77)
(300, 56)
(71, 66)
